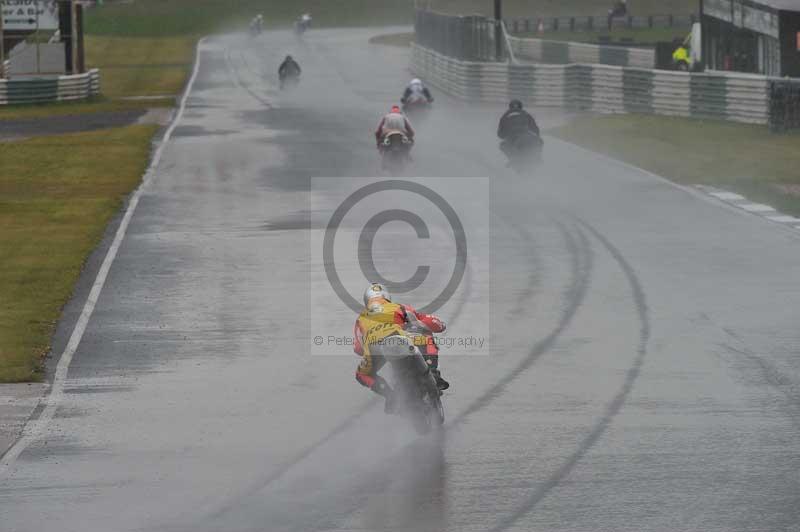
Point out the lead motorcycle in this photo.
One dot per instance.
(419, 398)
(395, 152)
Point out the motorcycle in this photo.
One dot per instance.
(416, 108)
(417, 393)
(395, 151)
(301, 25)
(256, 27)
(523, 151)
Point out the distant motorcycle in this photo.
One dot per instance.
(302, 24)
(418, 396)
(523, 151)
(395, 152)
(256, 26)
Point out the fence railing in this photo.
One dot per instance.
(470, 38)
(49, 89)
(612, 89)
(599, 23)
(560, 52)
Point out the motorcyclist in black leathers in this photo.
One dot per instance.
(514, 122)
(288, 68)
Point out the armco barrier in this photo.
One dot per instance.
(50, 89)
(560, 52)
(601, 88)
(784, 105)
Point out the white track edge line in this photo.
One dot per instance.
(34, 428)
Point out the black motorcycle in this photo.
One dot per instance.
(418, 396)
(395, 151)
(523, 151)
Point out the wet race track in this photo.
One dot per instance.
(639, 370)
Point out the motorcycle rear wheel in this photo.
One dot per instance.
(432, 415)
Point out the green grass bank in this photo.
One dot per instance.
(737, 157)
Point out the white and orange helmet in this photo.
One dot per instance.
(375, 290)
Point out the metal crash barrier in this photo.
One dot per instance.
(49, 89)
(470, 38)
(784, 108)
(450, 52)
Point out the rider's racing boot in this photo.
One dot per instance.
(440, 382)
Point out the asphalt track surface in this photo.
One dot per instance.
(642, 372)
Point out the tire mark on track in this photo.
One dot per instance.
(616, 404)
(241, 83)
(581, 271)
(292, 462)
(773, 376)
(534, 280)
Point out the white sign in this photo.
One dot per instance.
(28, 15)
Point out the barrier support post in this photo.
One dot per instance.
(498, 20)
(2, 46)
(73, 15)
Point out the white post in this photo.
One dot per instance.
(73, 15)
(511, 58)
(38, 50)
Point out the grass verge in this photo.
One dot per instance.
(129, 67)
(57, 194)
(132, 66)
(197, 17)
(742, 158)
